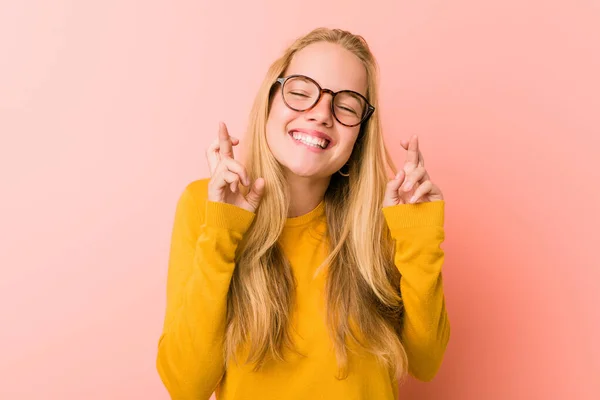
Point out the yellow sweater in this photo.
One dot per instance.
(204, 239)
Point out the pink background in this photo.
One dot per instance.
(106, 109)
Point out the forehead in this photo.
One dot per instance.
(332, 66)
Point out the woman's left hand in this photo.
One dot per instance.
(411, 184)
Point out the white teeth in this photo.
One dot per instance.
(310, 140)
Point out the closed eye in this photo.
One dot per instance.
(346, 109)
(299, 94)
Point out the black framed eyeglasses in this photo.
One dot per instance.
(301, 93)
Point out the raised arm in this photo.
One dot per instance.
(418, 231)
(205, 237)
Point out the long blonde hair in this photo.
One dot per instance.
(363, 297)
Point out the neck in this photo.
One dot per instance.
(305, 193)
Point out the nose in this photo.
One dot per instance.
(321, 112)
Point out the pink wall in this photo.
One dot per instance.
(105, 111)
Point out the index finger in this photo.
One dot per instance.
(412, 156)
(404, 144)
(225, 148)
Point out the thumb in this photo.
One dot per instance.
(256, 192)
(391, 190)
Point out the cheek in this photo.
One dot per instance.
(350, 135)
(280, 115)
(277, 122)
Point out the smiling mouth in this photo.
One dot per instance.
(312, 141)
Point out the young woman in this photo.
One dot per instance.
(306, 272)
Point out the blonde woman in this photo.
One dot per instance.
(306, 272)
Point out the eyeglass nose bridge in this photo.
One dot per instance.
(321, 91)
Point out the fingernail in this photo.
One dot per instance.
(397, 176)
(407, 186)
(413, 199)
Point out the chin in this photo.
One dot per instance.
(305, 172)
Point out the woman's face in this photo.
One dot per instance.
(332, 67)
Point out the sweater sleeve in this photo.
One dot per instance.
(418, 230)
(190, 359)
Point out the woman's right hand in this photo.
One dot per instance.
(226, 173)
